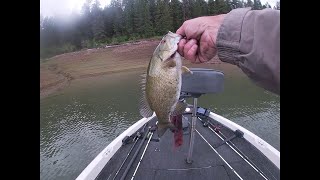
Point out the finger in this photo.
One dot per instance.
(181, 45)
(181, 31)
(201, 59)
(207, 49)
(188, 46)
(204, 52)
(191, 54)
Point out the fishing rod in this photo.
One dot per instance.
(235, 149)
(142, 154)
(231, 168)
(135, 155)
(136, 138)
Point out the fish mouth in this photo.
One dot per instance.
(173, 55)
(174, 35)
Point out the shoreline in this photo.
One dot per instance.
(51, 88)
(58, 72)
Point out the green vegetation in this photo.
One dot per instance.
(126, 20)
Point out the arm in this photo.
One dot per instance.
(250, 39)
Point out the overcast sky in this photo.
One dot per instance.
(65, 7)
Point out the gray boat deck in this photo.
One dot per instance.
(162, 161)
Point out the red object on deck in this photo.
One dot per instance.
(178, 134)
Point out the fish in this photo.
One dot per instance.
(161, 84)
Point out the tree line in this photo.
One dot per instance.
(127, 20)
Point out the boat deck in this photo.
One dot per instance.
(161, 160)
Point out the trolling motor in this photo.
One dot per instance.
(202, 81)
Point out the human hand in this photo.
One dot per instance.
(201, 34)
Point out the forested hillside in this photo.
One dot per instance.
(126, 20)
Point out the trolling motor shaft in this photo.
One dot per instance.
(201, 81)
(193, 127)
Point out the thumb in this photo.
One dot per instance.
(181, 31)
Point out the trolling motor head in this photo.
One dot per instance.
(202, 81)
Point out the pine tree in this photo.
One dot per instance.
(211, 7)
(108, 14)
(138, 17)
(257, 5)
(86, 22)
(249, 3)
(128, 16)
(228, 6)
(97, 23)
(266, 5)
(222, 7)
(50, 32)
(118, 22)
(146, 17)
(202, 7)
(152, 9)
(196, 8)
(278, 5)
(186, 9)
(163, 19)
(236, 4)
(176, 9)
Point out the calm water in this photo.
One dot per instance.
(77, 123)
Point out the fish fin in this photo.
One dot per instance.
(186, 70)
(163, 127)
(180, 108)
(171, 64)
(144, 107)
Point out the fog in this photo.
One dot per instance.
(66, 7)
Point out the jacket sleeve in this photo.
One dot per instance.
(250, 39)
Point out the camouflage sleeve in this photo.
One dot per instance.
(250, 39)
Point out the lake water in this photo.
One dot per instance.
(81, 120)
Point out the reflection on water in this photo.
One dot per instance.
(76, 124)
